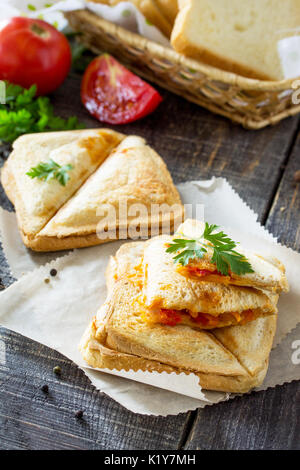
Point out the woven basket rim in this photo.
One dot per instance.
(163, 52)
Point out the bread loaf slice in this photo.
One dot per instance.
(169, 8)
(240, 37)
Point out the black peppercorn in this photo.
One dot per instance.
(53, 272)
(45, 388)
(79, 414)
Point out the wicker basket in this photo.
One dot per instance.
(252, 103)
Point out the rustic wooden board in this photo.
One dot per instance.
(30, 419)
(284, 220)
(261, 420)
(195, 145)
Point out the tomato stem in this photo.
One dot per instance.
(36, 29)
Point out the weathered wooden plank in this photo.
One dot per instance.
(284, 218)
(31, 419)
(262, 420)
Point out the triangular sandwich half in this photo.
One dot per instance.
(119, 339)
(269, 272)
(36, 201)
(115, 191)
(167, 297)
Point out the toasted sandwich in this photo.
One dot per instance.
(111, 177)
(234, 359)
(157, 319)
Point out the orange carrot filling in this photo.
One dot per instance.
(174, 317)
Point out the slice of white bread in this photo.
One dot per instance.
(240, 37)
(119, 339)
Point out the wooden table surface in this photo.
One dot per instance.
(195, 144)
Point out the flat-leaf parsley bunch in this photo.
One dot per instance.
(24, 113)
(224, 255)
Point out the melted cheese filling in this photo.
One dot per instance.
(202, 320)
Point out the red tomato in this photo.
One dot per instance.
(34, 52)
(202, 272)
(205, 319)
(170, 317)
(114, 95)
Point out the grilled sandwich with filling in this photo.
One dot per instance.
(167, 297)
(156, 319)
(233, 359)
(268, 272)
(112, 176)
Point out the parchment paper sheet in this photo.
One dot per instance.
(57, 313)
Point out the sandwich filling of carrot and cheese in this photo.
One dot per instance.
(265, 272)
(168, 297)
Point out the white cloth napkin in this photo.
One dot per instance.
(124, 14)
(57, 313)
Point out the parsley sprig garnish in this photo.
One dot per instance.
(224, 255)
(51, 170)
(24, 113)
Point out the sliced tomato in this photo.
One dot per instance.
(202, 272)
(205, 319)
(114, 95)
(169, 317)
(248, 315)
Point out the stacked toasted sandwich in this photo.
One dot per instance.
(182, 310)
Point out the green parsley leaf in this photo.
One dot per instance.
(24, 113)
(189, 251)
(51, 170)
(224, 256)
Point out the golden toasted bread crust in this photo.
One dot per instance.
(43, 243)
(231, 359)
(96, 353)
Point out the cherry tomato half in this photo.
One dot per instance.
(114, 95)
(33, 52)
